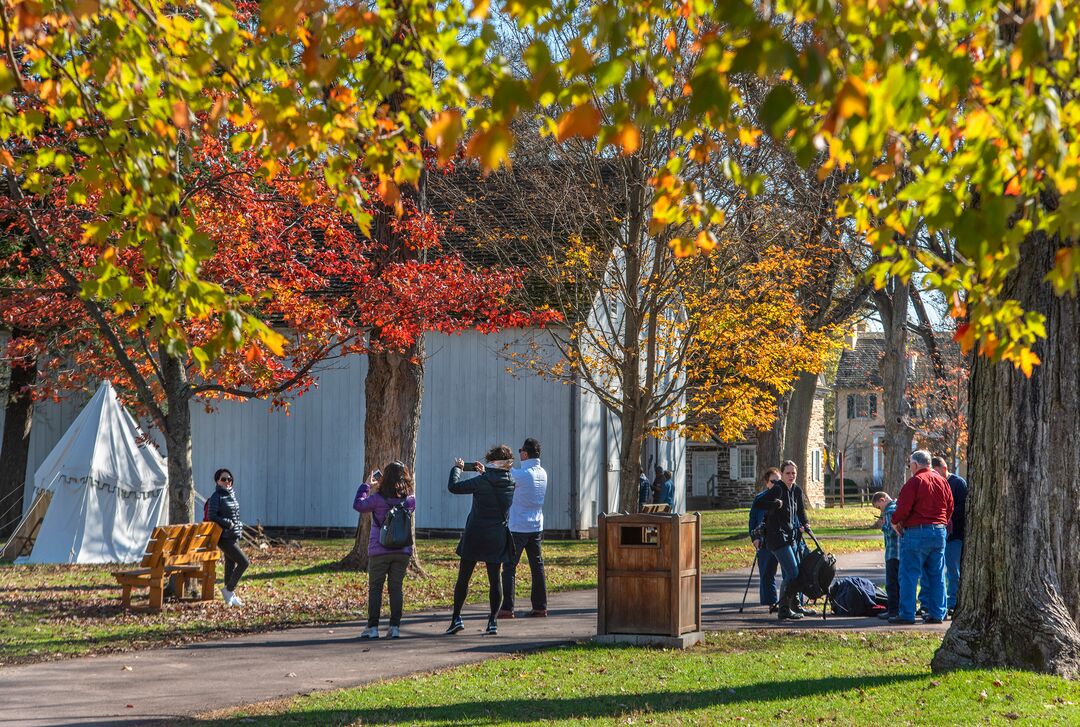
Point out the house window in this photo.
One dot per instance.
(747, 463)
(815, 465)
(861, 406)
(858, 458)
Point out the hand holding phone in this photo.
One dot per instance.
(470, 466)
(375, 476)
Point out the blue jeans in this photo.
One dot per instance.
(954, 549)
(922, 556)
(892, 585)
(767, 576)
(789, 568)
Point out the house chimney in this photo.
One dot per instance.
(851, 338)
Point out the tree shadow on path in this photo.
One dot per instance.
(496, 711)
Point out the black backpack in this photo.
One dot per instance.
(816, 573)
(396, 531)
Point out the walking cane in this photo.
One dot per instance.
(750, 578)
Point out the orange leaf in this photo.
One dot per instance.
(491, 147)
(443, 133)
(479, 9)
(389, 191)
(965, 336)
(181, 117)
(1012, 189)
(583, 121)
(629, 138)
(705, 241)
(883, 172)
(851, 100)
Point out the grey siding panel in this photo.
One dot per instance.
(590, 457)
(302, 468)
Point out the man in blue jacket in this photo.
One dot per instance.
(766, 560)
(954, 543)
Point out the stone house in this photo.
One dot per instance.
(860, 426)
(725, 475)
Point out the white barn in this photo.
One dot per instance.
(301, 469)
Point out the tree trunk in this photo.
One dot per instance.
(770, 442)
(632, 438)
(178, 439)
(797, 429)
(18, 420)
(1019, 602)
(894, 376)
(393, 394)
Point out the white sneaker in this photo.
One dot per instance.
(235, 600)
(394, 633)
(227, 595)
(371, 632)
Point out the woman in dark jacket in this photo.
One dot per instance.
(487, 536)
(224, 509)
(784, 514)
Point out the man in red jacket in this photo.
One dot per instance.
(922, 513)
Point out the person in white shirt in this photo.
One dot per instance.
(527, 527)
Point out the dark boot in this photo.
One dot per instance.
(784, 612)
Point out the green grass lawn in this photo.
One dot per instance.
(753, 678)
(50, 611)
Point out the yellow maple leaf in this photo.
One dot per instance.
(1027, 360)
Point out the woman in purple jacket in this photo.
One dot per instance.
(377, 496)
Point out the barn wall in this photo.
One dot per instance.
(302, 468)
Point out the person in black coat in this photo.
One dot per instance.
(487, 535)
(223, 508)
(784, 517)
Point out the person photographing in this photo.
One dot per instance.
(487, 536)
(380, 495)
(782, 508)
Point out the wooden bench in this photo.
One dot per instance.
(186, 552)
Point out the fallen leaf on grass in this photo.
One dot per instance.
(1011, 715)
(997, 683)
(125, 668)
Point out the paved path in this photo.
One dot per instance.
(166, 684)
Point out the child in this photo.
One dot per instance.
(887, 506)
(377, 496)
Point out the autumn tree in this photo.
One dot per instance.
(890, 91)
(299, 266)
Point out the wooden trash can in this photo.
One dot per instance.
(649, 585)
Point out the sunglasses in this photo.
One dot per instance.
(225, 479)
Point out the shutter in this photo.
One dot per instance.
(733, 470)
(873, 405)
(850, 406)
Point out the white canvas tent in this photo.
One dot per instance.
(108, 492)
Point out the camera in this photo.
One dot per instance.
(758, 533)
(470, 467)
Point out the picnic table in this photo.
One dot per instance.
(186, 552)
